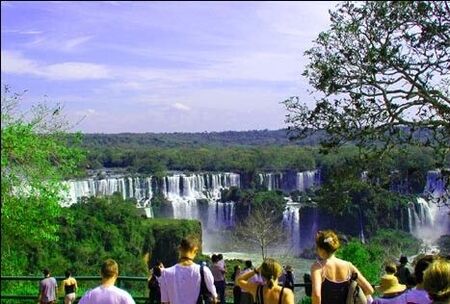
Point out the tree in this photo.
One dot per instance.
(35, 157)
(262, 228)
(381, 66)
(383, 75)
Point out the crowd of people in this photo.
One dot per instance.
(333, 281)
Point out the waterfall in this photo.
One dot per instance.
(291, 224)
(307, 179)
(130, 187)
(427, 221)
(279, 181)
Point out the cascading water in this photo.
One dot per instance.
(426, 220)
(139, 188)
(196, 196)
(279, 181)
(291, 224)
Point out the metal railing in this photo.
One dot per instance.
(120, 282)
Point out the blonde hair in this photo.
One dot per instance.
(328, 241)
(109, 269)
(436, 280)
(271, 271)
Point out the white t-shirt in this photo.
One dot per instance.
(107, 295)
(181, 284)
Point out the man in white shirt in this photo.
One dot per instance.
(180, 284)
(107, 293)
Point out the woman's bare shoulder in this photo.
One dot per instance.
(315, 266)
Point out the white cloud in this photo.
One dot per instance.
(71, 44)
(181, 107)
(76, 71)
(14, 63)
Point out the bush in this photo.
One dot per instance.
(366, 258)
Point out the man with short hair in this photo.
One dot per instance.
(48, 289)
(182, 283)
(107, 293)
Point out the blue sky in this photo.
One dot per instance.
(161, 66)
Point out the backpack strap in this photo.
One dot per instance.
(202, 286)
(281, 295)
(259, 294)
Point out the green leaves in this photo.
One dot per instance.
(35, 157)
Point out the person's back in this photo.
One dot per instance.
(330, 276)
(335, 275)
(289, 279)
(404, 272)
(270, 292)
(48, 289)
(107, 293)
(70, 287)
(180, 284)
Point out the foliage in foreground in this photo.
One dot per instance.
(35, 157)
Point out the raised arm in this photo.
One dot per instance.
(362, 281)
(243, 282)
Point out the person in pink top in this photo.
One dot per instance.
(107, 293)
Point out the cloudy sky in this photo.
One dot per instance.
(161, 66)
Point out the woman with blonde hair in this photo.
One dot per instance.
(270, 292)
(330, 275)
(436, 281)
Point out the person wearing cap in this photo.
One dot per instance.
(393, 292)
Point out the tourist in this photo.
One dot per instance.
(246, 296)
(70, 287)
(392, 291)
(330, 276)
(404, 272)
(48, 289)
(153, 284)
(218, 272)
(418, 294)
(390, 268)
(289, 278)
(269, 292)
(180, 284)
(436, 281)
(107, 292)
(236, 289)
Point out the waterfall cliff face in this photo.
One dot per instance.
(136, 187)
(290, 180)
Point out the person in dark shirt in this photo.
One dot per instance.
(153, 285)
(404, 273)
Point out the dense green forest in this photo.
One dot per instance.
(211, 139)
